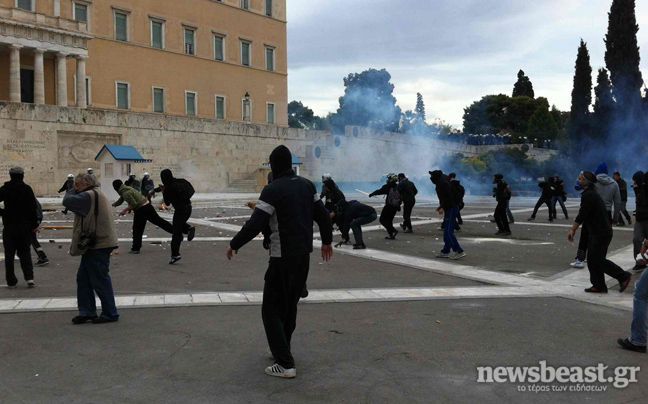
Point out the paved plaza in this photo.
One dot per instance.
(390, 324)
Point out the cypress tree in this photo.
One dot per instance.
(420, 107)
(603, 105)
(523, 87)
(581, 95)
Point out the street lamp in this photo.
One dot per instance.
(246, 108)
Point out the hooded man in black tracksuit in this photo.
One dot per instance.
(288, 205)
(545, 198)
(502, 195)
(408, 193)
(641, 220)
(392, 205)
(20, 222)
(353, 215)
(449, 208)
(332, 195)
(594, 216)
(175, 192)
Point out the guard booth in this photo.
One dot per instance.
(116, 162)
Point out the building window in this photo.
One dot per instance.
(270, 58)
(219, 48)
(80, 12)
(245, 4)
(246, 53)
(191, 103)
(122, 90)
(157, 34)
(121, 26)
(268, 4)
(190, 41)
(270, 112)
(158, 100)
(220, 107)
(25, 4)
(88, 90)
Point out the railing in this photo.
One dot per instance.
(41, 19)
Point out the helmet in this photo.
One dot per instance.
(90, 170)
(147, 174)
(70, 175)
(391, 177)
(131, 175)
(326, 176)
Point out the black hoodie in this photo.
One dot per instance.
(332, 192)
(443, 190)
(172, 193)
(641, 197)
(350, 211)
(20, 204)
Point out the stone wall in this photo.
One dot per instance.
(51, 142)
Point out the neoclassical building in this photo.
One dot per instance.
(217, 59)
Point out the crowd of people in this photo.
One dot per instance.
(285, 213)
(496, 139)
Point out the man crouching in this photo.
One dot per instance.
(93, 238)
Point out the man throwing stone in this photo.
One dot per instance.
(288, 205)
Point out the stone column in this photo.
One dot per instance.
(82, 96)
(14, 73)
(39, 77)
(61, 79)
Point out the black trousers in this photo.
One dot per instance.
(145, 214)
(180, 227)
(37, 247)
(407, 214)
(284, 282)
(599, 265)
(387, 218)
(583, 244)
(16, 238)
(500, 217)
(459, 219)
(540, 203)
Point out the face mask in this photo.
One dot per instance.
(578, 186)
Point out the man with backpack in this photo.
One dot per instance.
(459, 192)
(177, 192)
(502, 194)
(545, 198)
(408, 193)
(448, 208)
(392, 205)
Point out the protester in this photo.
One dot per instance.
(332, 195)
(581, 253)
(392, 205)
(408, 193)
(449, 209)
(609, 191)
(147, 185)
(42, 257)
(20, 222)
(93, 238)
(289, 204)
(353, 215)
(133, 183)
(641, 219)
(545, 198)
(623, 192)
(502, 194)
(594, 216)
(144, 212)
(639, 328)
(67, 185)
(177, 192)
(559, 196)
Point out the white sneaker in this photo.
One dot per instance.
(578, 264)
(442, 255)
(277, 370)
(458, 256)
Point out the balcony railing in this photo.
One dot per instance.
(43, 20)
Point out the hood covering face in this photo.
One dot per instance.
(602, 168)
(280, 161)
(638, 177)
(117, 184)
(435, 176)
(167, 176)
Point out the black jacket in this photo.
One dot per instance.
(558, 188)
(623, 190)
(352, 211)
(445, 193)
(547, 191)
(147, 186)
(20, 204)
(501, 195)
(67, 185)
(408, 191)
(594, 215)
(458, 190)
(133, 184)
(172, 195)
(384, 190)
(331, 192)
(289, 205)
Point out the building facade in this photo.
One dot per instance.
(216, 59)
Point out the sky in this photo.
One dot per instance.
(451, 51)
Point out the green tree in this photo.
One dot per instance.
(368, 101)
(420, 107)
(542, 125)
(299, 116)
(603, 106)
(622, 57)
(581, 96)
(523, 87)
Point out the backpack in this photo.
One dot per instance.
(185, 189)
(394, 198)
(461, 191)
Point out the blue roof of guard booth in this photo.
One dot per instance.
(120, 152)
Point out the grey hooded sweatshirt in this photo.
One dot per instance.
(608, 189)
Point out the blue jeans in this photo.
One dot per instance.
(640, 312)
(449, 219)
(511, 219)
(92, 278)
